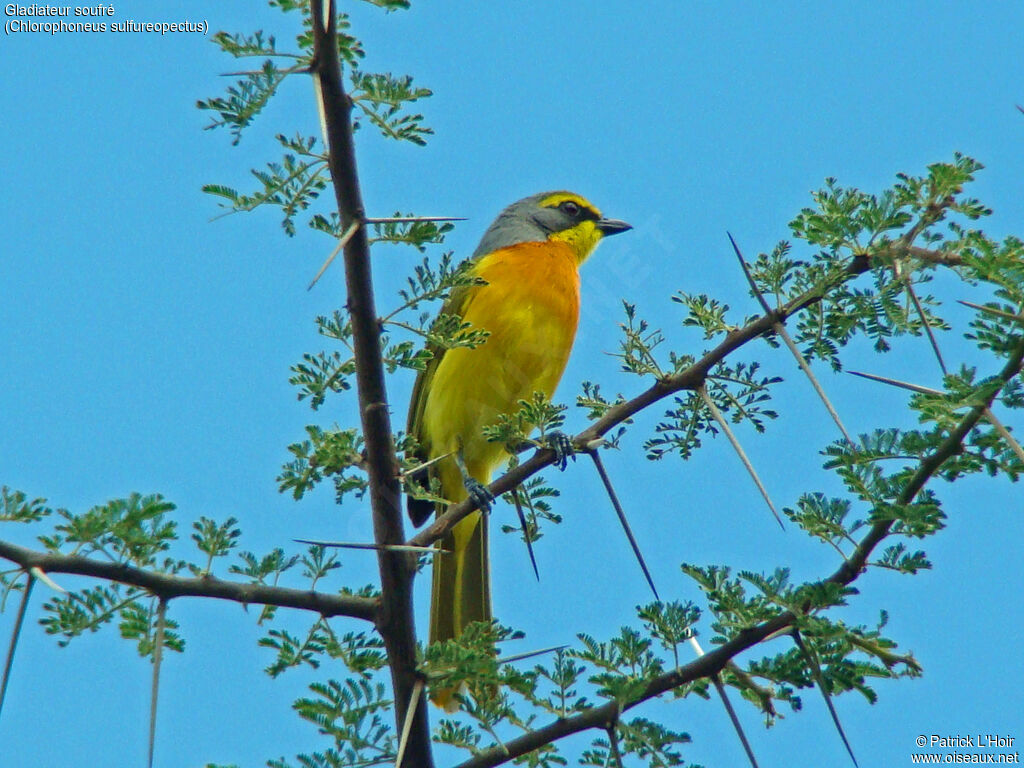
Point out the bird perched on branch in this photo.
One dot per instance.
(529, 259)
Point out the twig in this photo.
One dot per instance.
(739, 450)
(849, 569)
(408, 219)
(717, 681)
(423, 465)
(526, 532)
(802, 362)
(1004, 433)
(622, 519)
(819, 678)
(342, 242)
(613, 744)
(530, 654)
(15, 634)
(897, 383)
(378, 547)
(167, 586)
(924, 321)
(781, 331)
(990, 417)
(414, 700)
(40, 574)
(288, 71)
(992, 311)
(929, 255)
(750, 278)
(158, 655)
(747, 682)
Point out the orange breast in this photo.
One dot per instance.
(530, 306)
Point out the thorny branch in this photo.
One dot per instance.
(395, 620)
(714, 661)
(166, 586)
(689, 379)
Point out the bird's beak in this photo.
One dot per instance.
(612, 226)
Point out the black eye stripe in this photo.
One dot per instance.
(577, 211)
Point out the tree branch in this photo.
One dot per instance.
(397, 569)
(599, 717)
(848, 571)
(713, 662)
(167, 586)
(689, 379)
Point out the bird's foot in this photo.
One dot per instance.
(562, 445)
(478, 492)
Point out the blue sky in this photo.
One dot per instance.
(145, 348)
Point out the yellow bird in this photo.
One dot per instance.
(529, 259)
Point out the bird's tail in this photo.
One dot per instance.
(462, 587)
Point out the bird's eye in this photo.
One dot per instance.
(570, 208)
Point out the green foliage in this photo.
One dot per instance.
(532, 497)
(390, 5)
(327, 453)
(354, 714)
(853, 228)
(430, 283)
(317, 563)
(651, 742)
(362, 653)
(451, 331)
(293, 184)
(215, 540)
(638, 344)
(597, 405)
(248, 96)
(132, 531)
(470, 661)
(330, 372)
(728, 601)
(824, 518)
(623, 665)
(260, 569)
(513, 430)
(264, 570)
(736, 390)
(562, 681)
(86, 610)
(670, 623)
(139, 621)
(324, 373)
(16, 507)
(418, 234)
(705, 313)
(894, 557)
(848, 658)
(382, 96)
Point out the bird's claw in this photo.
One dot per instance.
(562, 445)
(478, 492)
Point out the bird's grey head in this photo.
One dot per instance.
(535, 218)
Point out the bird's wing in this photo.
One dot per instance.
(456, 304)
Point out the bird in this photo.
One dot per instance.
(527, 299)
